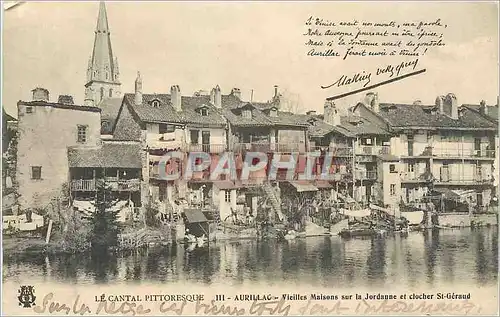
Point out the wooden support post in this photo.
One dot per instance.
(49, 230)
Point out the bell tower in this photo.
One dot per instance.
(103, 75)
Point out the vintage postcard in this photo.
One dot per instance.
(250, 158)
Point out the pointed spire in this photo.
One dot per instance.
(102, 19)
(103, 64)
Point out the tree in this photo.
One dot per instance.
(290, 102)
(104, 221)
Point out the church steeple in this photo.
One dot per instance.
(103, 79)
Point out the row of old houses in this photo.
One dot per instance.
(384, 153)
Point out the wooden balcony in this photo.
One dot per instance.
(373, 150)
(366, 175)
(89, 185)
(335, 150)
(206, 148)
(446, 178)
(463, 153)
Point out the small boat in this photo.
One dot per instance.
(351, 233)
(291, 235)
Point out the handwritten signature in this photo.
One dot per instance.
(280, 307)
(365, 78)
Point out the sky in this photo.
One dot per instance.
(249, 45)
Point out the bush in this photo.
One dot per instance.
(75, 235)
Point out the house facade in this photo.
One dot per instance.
(45, 131)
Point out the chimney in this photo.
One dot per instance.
(331, 114)
(89, 97)
(175, 97)
(212, 96)
(40, 94)
(483, 108)
(65, 99)
(138, 90)
(236, 92)
(371, 101)
(275, 91)
(440, 104)
(218, 97)
(450, 106)
(311, 113)
(375, 105)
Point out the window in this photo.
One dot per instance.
(155, 103)
(110, 93)
(247, 114)
(203, 112)
(227, 196)
(102, 93)
(36, 172)
(82, 134)
(366, 141)
(166, 128)
(194, 136)
(411, 167)
(105, 125)
(29, 109)
(392, 168)
(392, 190)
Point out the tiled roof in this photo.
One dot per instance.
(405, 115)
(109, 112)
(110, 154)
(492, 110)
(258, 119)
(320, 128)
(356, 125)
(194, 216)
(40, 103)
(7, 117)
(166, 113)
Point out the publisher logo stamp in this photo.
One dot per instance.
(26, 296)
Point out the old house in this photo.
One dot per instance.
(46, 130)
(442, 147)
(172, 122)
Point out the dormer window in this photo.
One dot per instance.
(312, 121)
(155, 103)
(273, 112)
(203, 110)
(247, 114)
(105, 125)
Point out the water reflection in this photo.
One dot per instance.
(432, 258)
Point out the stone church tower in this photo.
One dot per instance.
(103, 76)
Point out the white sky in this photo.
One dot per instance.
(246, 45)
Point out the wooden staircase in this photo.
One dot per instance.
(273, 198)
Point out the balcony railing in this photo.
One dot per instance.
(373, 150)
(366, 175)
(290, 147)
(207, 148)
(415, 177)
(269, 147)
(335, 150)
(463, 153)
(89, 185)
(449, 178)
(252, 147)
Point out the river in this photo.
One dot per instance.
(420, 259)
